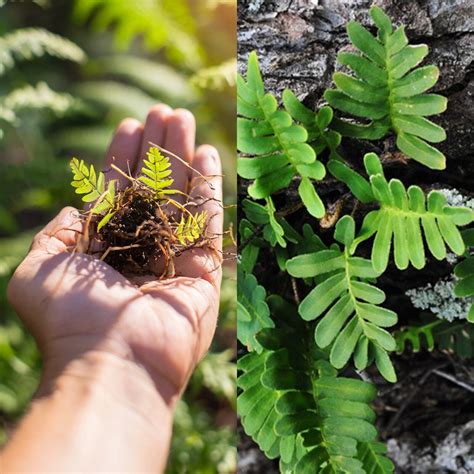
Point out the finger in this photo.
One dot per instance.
(60, 233)
(206, 190)
(124, 150)
(180, 138)
(154, 131)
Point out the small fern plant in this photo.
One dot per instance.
(384, 91)
(153, 185)
(274, 145)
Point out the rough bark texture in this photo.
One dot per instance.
(297, 42)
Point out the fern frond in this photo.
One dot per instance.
(384, 91)
(216, 78)
(265, 216)
(167, 24)
(29, 43)
(464, 270)
(406, 216)
(456, 337)
(92, 187)
(191, 227)
(296, 407)
(39, 97)
(276, 146)
(353, 319)
(253, 313)
(155, 175)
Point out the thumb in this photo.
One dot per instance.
(60, 234)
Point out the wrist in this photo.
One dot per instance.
(106, 377)
(102, 410)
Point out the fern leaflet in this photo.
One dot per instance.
(353, 319)
(384, 91)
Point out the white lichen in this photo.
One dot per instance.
(440, 299)
(254, 6)
(455, 198)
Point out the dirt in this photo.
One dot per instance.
(137, 235)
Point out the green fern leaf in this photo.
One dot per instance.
(156, 174)
(253, 313)
(405, 217)
(28, 43)
(465, 272)
(92, 187)
(276, 146)
(298, 408)
(273, 230)
(353, 321)
(191, 228)
(386, 92)
(456, 337)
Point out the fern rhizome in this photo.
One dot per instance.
(313, 250)
(140, 229)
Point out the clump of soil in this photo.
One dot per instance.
(136, 235)
(142, 236)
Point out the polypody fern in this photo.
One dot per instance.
(384, 91)
(275, 145)
(353, 319)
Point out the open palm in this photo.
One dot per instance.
(75, 304)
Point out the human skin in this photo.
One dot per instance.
(117, 352)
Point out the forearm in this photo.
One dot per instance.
(101, 414)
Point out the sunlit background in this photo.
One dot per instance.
(69, 72)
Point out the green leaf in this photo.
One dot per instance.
(366, 43)
(253, 313)
(359, 186)
(345, 230)
(409, 220)
(155, 173)
(274, 145)
(310, 198)
(383, 89)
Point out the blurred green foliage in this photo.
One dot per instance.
(69, 72)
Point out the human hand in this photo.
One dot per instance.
(86, 316)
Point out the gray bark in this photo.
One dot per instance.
(297, 42)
